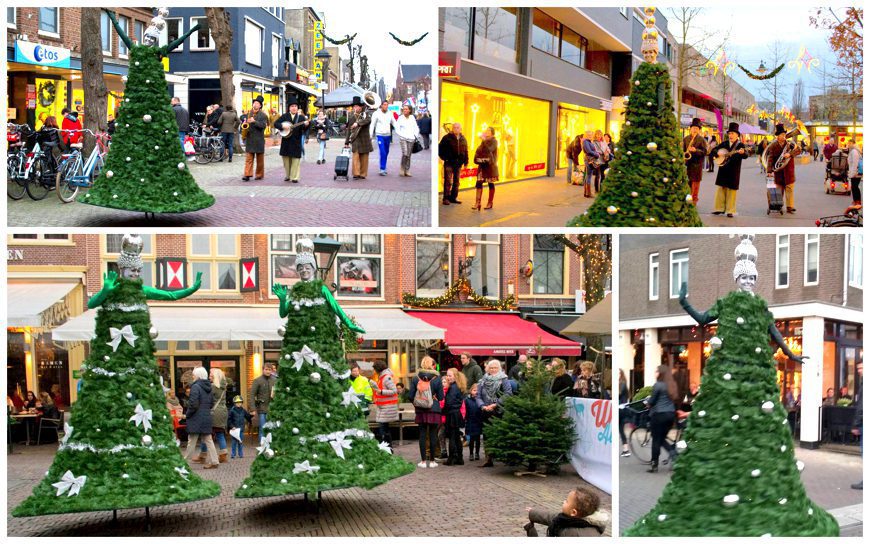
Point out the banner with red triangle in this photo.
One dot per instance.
(249, 271)
(172, 273)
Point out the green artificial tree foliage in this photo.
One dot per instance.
(534, 430)
(645, 187)
(145, 168)
(738, 445)
(312, 415)
(103, 448)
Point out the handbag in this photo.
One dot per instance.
(417, 147)
(220, 400)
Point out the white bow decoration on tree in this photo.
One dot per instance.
(265, 444)
(305, 466)
(183, 472)
(67, 431)
(305, 355)
(70, 483)
(142, 417)
(339, 445)
(124, 333)
(350, 396)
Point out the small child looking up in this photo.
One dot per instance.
(575, 519)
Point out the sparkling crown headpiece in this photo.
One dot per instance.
(131, 248)
(650, 46)
(158, 23)
(746, 255)
(305, 252)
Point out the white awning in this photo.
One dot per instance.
(251, 323)
(304, 88)
(26, 301)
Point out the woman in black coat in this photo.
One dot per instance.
(453, 422)
(199, 419)
(427, 418)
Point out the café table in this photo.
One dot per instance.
(24, 416)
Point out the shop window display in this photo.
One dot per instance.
(573, 122)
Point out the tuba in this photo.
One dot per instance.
(790, 144)
(371, 100)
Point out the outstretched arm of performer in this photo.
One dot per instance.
(110, 283)
(777, 337)
(283, 305)
(121, 33)
(178, 41)
(159, 294)
(337, 310)
(701, 318)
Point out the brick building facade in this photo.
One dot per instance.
(813, 284)
(370, 273)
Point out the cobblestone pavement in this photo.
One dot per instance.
(317, 200)
(449, 501)
(551, 202)
(827, 478)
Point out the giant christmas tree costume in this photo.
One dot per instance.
(318, 438)
(119, 450)
(646, 183)
(145, 169)
(736, 474)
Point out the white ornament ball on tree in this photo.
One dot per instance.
(146, 118)
(767, 407)
(730, 500)
(782, 448)
(287, 356)
(662, 517)
(125, 476)
(146, 440)
(175, 193)
(800, 466)
(283, 480)
(740, 321)
(153, 332)
(128, 159)
(681, 446)
(628, 123)
(110, 174)
(612, 210)
(665, 180)
(136, 63)
(673, 160)
(702, 413)
(297, 307)
(295, 430)
(147, 81)
(124, 79)
(106, 358)
(636, 82)
(313, 328)
(282, 331)
(180, 166)
(129, 395)
(327, 415)
(727, 377)
(782, 501)
(649, 103)
(755, 473)
(628, 152)
(268, 454)
(757, 350)
(715, 343)
(156, 148)
(735, 417)
(314, 377)
(634, 194)
(689, 198)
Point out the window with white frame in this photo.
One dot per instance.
(49, 21)
(11, 17)
(654, 276)
(201, 40)
(276, 55)
(253, 43)
(40, 237)
(216, 256)
(811, 259)
(111, 250)
(548, 259)
(485, 271)
(172, 31)
(138, 31)
(124, 23)
(856, 260)
(282, 258)
(434, 264)
(679, 270)
(782, 256)
(105, 33)
(359, 269)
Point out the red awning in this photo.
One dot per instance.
(481, 333)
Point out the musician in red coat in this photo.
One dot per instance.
(696, 146)
(728, 177)
(784, 177)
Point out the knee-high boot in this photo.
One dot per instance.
(491, 196)
(477, 196)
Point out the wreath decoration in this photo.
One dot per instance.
(771, 75)
(47, 93)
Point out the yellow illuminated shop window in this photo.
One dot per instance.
(50, 100)
(574, 121)
(521, 128)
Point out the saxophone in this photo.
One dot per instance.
(245, 126)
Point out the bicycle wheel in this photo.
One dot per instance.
(66, 188)
(41, 178)
(217, 147)
(640, 442)
(203, 155)
(15, 187)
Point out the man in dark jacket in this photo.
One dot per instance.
(728, 177)
(291, 144)
(255, 142)
(858, 424)
(453, 150)
(359, 138)
(261, 395)
(783, 178)
(472, 371)
(212, 120)
(182, 117)
(424, 123)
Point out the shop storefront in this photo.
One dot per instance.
(842, 132)
(574, 121)
(521, 126)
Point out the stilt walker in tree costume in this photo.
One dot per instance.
(119, 449)
(736, 474)
(146, 169)
(317, 437)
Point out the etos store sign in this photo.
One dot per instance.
(43, 55)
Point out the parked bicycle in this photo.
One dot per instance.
(31, 165)
(852, 217)
(19, 138)
(640, 439)
(74, 173)
(208, 148)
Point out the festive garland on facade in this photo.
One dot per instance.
(762, 78)
(408, 43)
(453, 293)
(338, 42)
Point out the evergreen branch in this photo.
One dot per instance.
(408, 43)
(771, 75)
(347, 38)
(121, 34)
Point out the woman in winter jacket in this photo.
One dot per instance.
(386, 398)
(425, 393)
(199, 419)
(486, 159)
(219, 385)
(320, 128)
(493, 389)
(407, 131)
(453, 421)
(473, 424)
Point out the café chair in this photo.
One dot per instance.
(50, 424)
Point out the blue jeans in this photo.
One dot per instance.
(236, 448)
(262, 420)
(322, 155)
(220, 441)
(181, 137)
(227, 138)
(384, 150)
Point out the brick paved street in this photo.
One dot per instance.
(827, 478)
(448, 501)
(318, 200)
(551, 202)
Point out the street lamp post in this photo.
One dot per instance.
(325, 248)
(324, 57)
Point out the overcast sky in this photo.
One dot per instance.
(372, 22)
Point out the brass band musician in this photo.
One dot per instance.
(784, 177)
(695, 149)
(359, 139)
(255, 143)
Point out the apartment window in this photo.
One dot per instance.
(172, 31)
(782, 261)
(201, 40)
(276, 55)
(111, 250)
(433, 264)
(548, 258)
(573, 48)
(105, 33)
(253, 43)
(495, 37)
(359, 266)
(457, 30)
(138, 31)
(216, 256)
(679, 270)
(11, 19)
(282, 258)
(124, 23)
(811, 259)
(40, 237)
(654, 276)
(856, 260)
(485, 272)
(49, 20)
(545, 33)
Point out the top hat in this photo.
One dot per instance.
(260, 99)
(780, 129)
(358, 101)
(292, 101)
(734, 127)
(696, 123)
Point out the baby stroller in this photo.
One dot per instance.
(837, 174)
